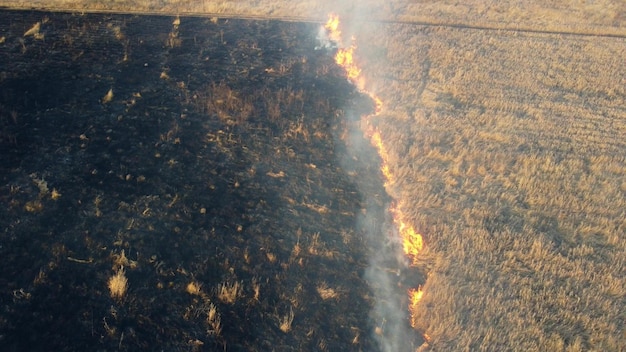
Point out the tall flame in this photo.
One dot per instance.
(345, 59)
(412, 241)
(344, 56)
(332, 27)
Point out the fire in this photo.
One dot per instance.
(415, 295)
(345, 59)
(332, 27)
(344, 56)
(377, 141)
(412, 242)
(377, 103)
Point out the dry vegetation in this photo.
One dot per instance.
(118, 284)
(509, 155)
(284, 322)
(605, 16)
(228, 292)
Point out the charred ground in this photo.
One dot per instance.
(196, 157)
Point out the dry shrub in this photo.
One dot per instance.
(118, 284)
(281, 101)
(284, 323)
(194, 288)
(326, 292)
(229, 292)
(214, 320)
(226, 104)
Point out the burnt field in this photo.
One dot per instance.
(183, 184)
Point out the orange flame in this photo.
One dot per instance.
(345, 59)
(344, 56)
(412, 242)
(377, 141)
(415, 295)
(332, 27)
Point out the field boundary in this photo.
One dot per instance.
(497, 26)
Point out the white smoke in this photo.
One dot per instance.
(387, 262)
(324, 40)
(387, 265)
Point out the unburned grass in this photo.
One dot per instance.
(510, 161)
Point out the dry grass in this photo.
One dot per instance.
(603, 16)
(508, 152)
(326, 292)
(228, 292)
(118, 284)
(214, 320)
(121, 261)
(222, 101)
(285, 322)
(194, 288)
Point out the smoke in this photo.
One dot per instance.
(387, 270)
(324, 40)
(385, 275)
(388, 273)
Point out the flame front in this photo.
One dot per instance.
(345, 59)
(332, 27)
(378, 103)
(412, 242)
(415, 295)
(377, 141)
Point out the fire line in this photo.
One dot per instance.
(412, 241)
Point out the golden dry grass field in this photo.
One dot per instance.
(602, 16)
(509, 154)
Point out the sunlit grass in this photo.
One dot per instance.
(513, 169)
(118, 284)
(229, 292)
